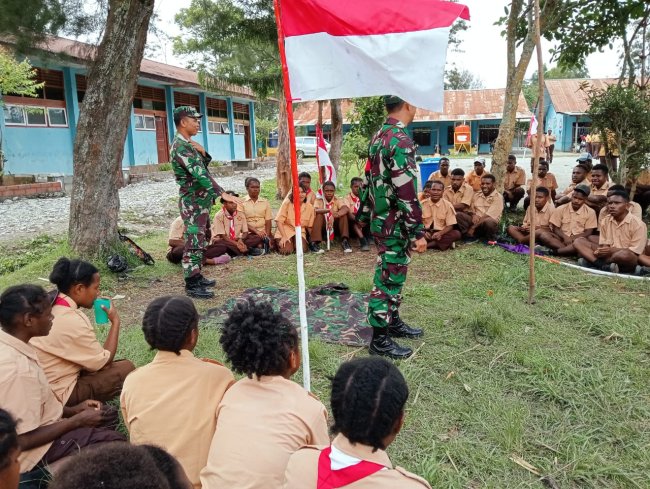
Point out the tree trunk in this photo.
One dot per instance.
(337, 132)
(103, 122)
(283, 163)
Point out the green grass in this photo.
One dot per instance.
(563, 384)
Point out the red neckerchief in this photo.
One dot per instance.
(332, 479)
(329, 217)
(231, 218)
(60, 301)
(357, 202)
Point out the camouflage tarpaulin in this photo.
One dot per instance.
(334, 314)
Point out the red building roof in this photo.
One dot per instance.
(568, 98)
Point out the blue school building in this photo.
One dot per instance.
(37, 134)
(481, 110)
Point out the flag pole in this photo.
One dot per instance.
(302, 306)
(536, 155)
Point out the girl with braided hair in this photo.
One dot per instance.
(172, 402)
(265, 416)
(368, 399)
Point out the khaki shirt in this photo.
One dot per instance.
(542, 218)
(172, 403)
(644, 178)
(337, 204)
(633, 207)
(257, 213)
(302, 470)
(436, 175)
(549, 181)
(569, 190)
(70, 347)
(287, 218)
(26, 394)
(491, 205)
(441, 214)
(474, 180)
(516, 177)
(352, 202)
(177, 229)
(551, 140)
(602, 191)
(311, 197)
(260, 423)
(631, 233)
(573, 222)
(221, 224)
(464, 195)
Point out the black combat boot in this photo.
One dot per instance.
(384, 346)
(206, 282)
(193, 288)
(399, 329)
(363, 244)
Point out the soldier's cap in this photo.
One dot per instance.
(584, 157)
(583, 189)
(186, 111)
(392, 100)
(480, 160)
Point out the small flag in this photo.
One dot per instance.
(532, 129)
(328, 173)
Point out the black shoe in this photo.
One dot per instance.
(384, 346)
(257, 252)
(363, 244)
(206, 282)
(315, 248)
(193, 288)
(346, 246)
(267, 246)
(399, 329)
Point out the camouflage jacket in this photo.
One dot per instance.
(191, 171)
(391, 204)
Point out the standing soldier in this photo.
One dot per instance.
(392, 208)
(197, 192)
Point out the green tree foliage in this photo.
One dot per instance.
(461, 79)
(17, 77)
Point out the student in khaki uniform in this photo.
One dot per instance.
(545, 208)
(442, 173)
(570, 222)
(473, 178)
(513, 184)
(622, 238)
(265, 416)
(77, 365)
(47, 431)
(599, 187)
(230, 233)
(460, 195)
(633, 207)
(177, 245)
(544, 179)
(578, 177)
(304, 182)
(331, 215)
(285, 224)
(353, 202)
(257, 210)
(486, 210)
(439, 219)
(175, 382)
(368, 400)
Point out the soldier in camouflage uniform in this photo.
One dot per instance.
(392, 209)
(197, 192)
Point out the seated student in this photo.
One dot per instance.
(331, 215)
(633, 207)
(285, 234)
(177, 244)
(513, 183)
(622, 238)
(76, 364)
(265, 416)
(174, 382)
(47, 431)
(442, 173)
(352, 201)
(642, 191)
(460, 195)
(304, 182)
(578, 177)
(439, 219)
(585, 160)
(486, 210)
(230, 233)
(545, 208)
(9, 452)
(570, 222)
(544, 179)
(599, 186)
(368, 405)
(257, 210)
(473, 178)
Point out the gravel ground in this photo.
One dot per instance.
(150, 205)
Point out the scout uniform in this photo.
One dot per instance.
(464, 195)
(573, 222)
(514, 178)
(438, 176)
(310, 196)
(260, 423)
(569, 190)
(436, 216)
(395, 216)
(197, 192)
(71, 350)
(287, 218)
(344, 464)
(233, 227)
(634, 208)
(154, 396)
(327, 220)
(549, 181)
(176, 230)
(631, 233)
(257, 212)
(488, 205)
(602, 191)
(474, 180)
(541, 219)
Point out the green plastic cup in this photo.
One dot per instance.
(100, 315)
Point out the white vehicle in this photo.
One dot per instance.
(306, 146)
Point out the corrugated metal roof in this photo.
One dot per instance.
(459, 105)
(567, 97)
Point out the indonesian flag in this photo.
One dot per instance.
(360, 48)
(532, 129)
(326, 171)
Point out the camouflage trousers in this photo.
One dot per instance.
(394, 255)
(195, 215)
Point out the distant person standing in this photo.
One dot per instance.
(197, 192)
(395, 216)
(550, 146)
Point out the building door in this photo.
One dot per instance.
(162, 141)
(247, 141)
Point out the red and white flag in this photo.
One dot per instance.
(360, 48)
(328, 173)
(532, 129)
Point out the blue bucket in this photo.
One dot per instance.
(427, 167)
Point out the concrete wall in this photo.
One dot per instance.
(37, 150)
(219, 147)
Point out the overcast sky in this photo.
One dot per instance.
(484, 50)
